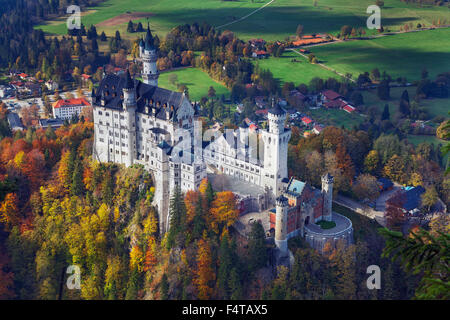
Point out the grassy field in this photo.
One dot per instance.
(297, 72)
(197, 81)
(435, 107)
(401, 55)
(336, 117)
(275, 22)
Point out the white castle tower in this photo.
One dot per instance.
(281, 225)
(147, 49)
(129, 106)
(327, 193)
(275, 149)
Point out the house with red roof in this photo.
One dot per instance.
(317, 129)
(257, 43)
(306, 121)
(260, 54)
(67, 108)
(330, 95)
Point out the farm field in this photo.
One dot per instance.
(435, 107)
(297, 72)
(336, 117)
(400, 55)
(275, 22)
(197, 81)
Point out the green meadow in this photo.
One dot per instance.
(336, 117)
(275, 22)
(435, 106)
(197, 81)
(400, 55)
(298, 71)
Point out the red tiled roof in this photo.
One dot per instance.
(349, 109)
(306, 120)
(71, 102)
(331, 95)
(262, 111)
(261, 52)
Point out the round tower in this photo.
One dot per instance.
(281, 224)
(129, 106)
(277, 118)
(327, 193)
(141, 47)
(150, 73)
(129, 92)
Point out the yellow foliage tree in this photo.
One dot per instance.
(224, 210)
(136, 258)
(204, 275)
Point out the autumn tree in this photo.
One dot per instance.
(394, 214)
(429, 198)
(366, 187)
(9, 212)
(224, 211)
(204, 273)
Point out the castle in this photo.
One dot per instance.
(136, 122)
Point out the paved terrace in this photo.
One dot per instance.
(342, 225)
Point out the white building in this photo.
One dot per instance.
(139, 123)
(65, 109)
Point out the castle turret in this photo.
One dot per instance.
(281, 225)
(327, 193)
(150, 73)
(129, 92)
(141, 47)
(276, 117)
(129, 106)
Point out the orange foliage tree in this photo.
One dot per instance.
(9, 213)
(204, 275)
(224, 211)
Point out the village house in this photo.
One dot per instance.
(318, 129)
(14, 121)
(408, 200)
(306, 121)
(257, 43)
(260, 54)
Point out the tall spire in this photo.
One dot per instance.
(149, 41)
(129, 84)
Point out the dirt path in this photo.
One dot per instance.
(245, 17)
(322, 65)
